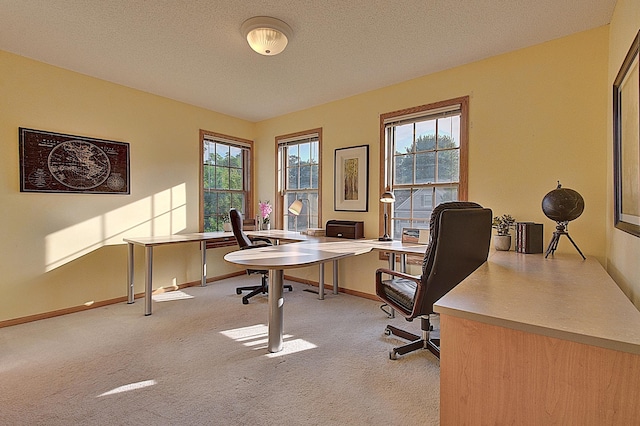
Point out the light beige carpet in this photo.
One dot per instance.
(202, 359)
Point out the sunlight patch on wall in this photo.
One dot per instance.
(71, 243)
(164, 213)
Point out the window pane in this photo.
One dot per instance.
(305, 176)
(292, 156)
(422, 224)
(305, 153)
(315, 157)
(237, 201)
(222, 154)
(404, 138)
(449, 132)
(426, 167)
(209, 155)
(208, 176)
(235, 181)
(446, 194)
(314, 177)
(236, 157)
(402, 206)
(292, 178)
(426, 135)
(289, 219)
(449, 165)
(313, 204)
(397, 226)
(222, 178)
(422, 203)
(403, 169)
(224, 203)
(210, 202)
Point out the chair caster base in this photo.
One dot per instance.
(255, 291)
(416, 342)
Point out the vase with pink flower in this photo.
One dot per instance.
(265, 210)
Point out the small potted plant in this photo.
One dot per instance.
(265, 211)
(226, 222)
(502, 224)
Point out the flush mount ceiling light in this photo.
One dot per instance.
(267, 36)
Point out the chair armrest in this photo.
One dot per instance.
(381, 292)
(261, 239)
(380, 271)
(254, 246)
(260, 243)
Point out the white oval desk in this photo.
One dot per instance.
(313, 251)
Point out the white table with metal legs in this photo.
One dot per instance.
(287, 256)
(149, 243)
(311, 252)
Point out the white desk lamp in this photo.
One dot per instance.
(296, 208)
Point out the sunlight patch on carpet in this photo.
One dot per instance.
(129, 387)
(257, 336)
(172, 295)
(291, 347)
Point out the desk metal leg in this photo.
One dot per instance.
(321, 282)
(392, 261)
(392, 266)
(130, 266)
(276, 303)
(148, 264)
(203, 253)
(335, 277)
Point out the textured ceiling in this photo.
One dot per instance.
(192, 50)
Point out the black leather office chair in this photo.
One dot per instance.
(246, 242)
(460, 233)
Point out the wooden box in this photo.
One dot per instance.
(345, 229)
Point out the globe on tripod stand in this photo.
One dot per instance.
(562, 205)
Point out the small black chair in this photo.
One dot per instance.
(460, 234)
(245, 242)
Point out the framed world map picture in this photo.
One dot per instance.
(55, 162)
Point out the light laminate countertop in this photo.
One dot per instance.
(562, 296)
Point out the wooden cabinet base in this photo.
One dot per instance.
(496, 375)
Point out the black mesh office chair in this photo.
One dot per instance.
(460, 233)
(246, 242)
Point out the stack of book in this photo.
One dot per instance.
(529, 237)
(316, 232)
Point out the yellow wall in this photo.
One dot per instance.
(63, 250)
(537, 115)
(622, 248)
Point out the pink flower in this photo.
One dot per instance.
(265, 210)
